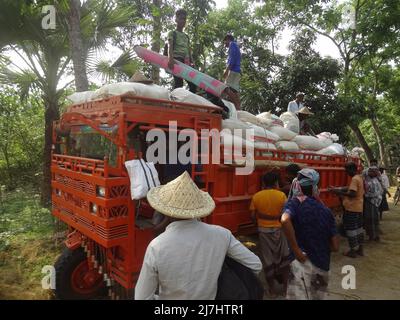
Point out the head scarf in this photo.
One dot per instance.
(310, 178)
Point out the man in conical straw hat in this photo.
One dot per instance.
(185, 261)
(303, 114)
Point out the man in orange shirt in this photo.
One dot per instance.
(266, 207)
(353, 201)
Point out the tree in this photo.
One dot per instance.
(47, 56)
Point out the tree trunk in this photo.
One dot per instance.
(155, 44)
(381, 144)
(51, 114)
(356, 130)
(77, 50)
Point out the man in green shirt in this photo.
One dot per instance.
(179, 48)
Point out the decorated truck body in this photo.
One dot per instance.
(108, 232)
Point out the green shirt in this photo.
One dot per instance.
(181, 46)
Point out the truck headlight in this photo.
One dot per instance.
(101, 191)
(93, 208)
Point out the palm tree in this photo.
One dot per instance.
(46, 55)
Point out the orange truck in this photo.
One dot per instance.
(108, 232)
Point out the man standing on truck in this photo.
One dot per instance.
(353, 202)
(232, 70)
(295, 105)
(267, 206)
(185, 261)
(179, 48)
(311, 232)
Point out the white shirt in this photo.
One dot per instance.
(185, 261)
(385, 181)
(293, 107)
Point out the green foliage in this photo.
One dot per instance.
(21, 138)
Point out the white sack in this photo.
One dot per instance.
(308, 143)
(334, 149)
(290, 121)
(234, 147)
(81, 97)
(268, 119)
(133, 88)
(283, 133)
(232, 109)
(327, 138)
(232, 124)
(143, 176)
(262, 134)
(183, 95)
(287, 146)
(247, 117)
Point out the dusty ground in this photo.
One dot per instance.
(377, 273)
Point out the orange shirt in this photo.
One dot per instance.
(269, 202)
(355, 204)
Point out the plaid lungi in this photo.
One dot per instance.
(307, 282)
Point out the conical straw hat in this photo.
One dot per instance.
(139, 77)
(305, 110)
(181, 199)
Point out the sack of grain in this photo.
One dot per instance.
(81, 97)
(334, 149)
(232, 109)
(236, 127)
(236, 150)
(262, 134)
(183, 95)
(248, 117)
(283, 133)
(268, 119)
(308, 143)
(290, 121)
(132, 88)
(327, 138)
(287, 146)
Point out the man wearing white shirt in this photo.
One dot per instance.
(295, 105)
(185, 261)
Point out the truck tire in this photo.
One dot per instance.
(74, 280)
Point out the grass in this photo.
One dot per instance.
(26, 245)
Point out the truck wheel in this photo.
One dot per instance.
(74, 279)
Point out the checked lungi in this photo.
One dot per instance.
(353, 226)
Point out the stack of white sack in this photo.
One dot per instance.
(183, 95)
(236, 150)
(263, 139)
(327, 138)
(268, 119)
(132, 88)
(82, 97)
(291, 121)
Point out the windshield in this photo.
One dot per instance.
(85, 142)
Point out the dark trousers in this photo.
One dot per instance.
(178, 82)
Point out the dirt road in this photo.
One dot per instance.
(378, 272)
